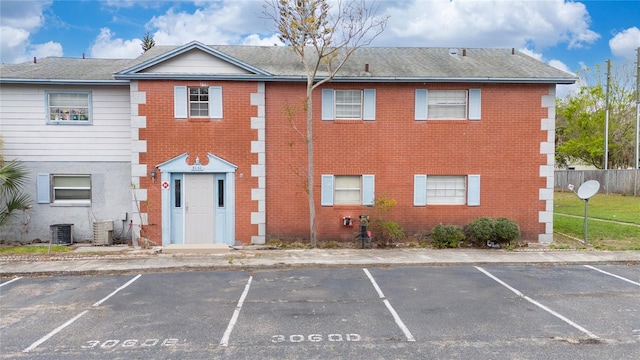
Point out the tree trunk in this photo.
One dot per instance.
(310, 187)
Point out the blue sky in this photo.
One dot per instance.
(569, 35)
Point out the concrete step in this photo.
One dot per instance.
(196, 249)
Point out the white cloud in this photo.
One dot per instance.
(19, 21)
(215, 23)
(107, 47)
(488, 24)
(625, 43)
(255, 39)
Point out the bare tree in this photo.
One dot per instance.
(323, 34)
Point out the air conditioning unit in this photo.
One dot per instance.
(103, 232)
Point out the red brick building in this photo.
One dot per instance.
(449, 134)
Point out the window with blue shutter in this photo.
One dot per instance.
(215, 102)
(421, 104)
(326, 197)
(369, 106)
(475, 112)
(473, 192)
(327, 104)
(419, 190)
(43, 188)
(180, 102)
(368, 190)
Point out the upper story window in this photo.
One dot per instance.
(348, 104)
(197, 102)
(448, 104)
(68, 107)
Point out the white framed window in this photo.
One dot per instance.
(68, 107)
(347, 190)
(64, 189)
(448, 104)
(197, 102)
(348, 104)
(446, 190)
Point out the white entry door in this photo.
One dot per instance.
(199, 209)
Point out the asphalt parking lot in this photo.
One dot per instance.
(475, 312)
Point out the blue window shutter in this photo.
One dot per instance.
(369, 112)
(326, 198)
(43, 189)
(419, 190)
(180, 102)
(421, 104)
(474, 104)
(327, 104)
(473, 191)
(368, 189)
(215, 102)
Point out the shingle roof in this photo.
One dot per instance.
(384, 64)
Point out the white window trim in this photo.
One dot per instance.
(73, 119)
(473, 105)
(359, 104)
(367, 105)
(69, 202)
(367, 190)
(471, 197)
(182, 103)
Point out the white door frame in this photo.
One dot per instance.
(215, 165)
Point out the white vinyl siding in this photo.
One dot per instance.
(347, 190)
(447, 104)
(348, 104)
(446, 190)
(107, 139)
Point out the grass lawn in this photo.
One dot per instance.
(32, 249)
(602, 234)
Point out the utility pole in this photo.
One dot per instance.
(637, 149)
(606, 118)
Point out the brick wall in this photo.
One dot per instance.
(503, 147)
(228, 138)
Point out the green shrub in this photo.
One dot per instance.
(505, 230)
(482, 230)
(446, 236)
(387, 232)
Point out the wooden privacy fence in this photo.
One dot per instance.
(625, 182)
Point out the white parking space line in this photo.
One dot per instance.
(227, 333)
(55, 331)
(399, 322)
(614, 275)
(117, 290)
(10, 281)
(61, 327)
(559, 316)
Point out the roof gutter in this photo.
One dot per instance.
(64, 82)
(356, 79)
